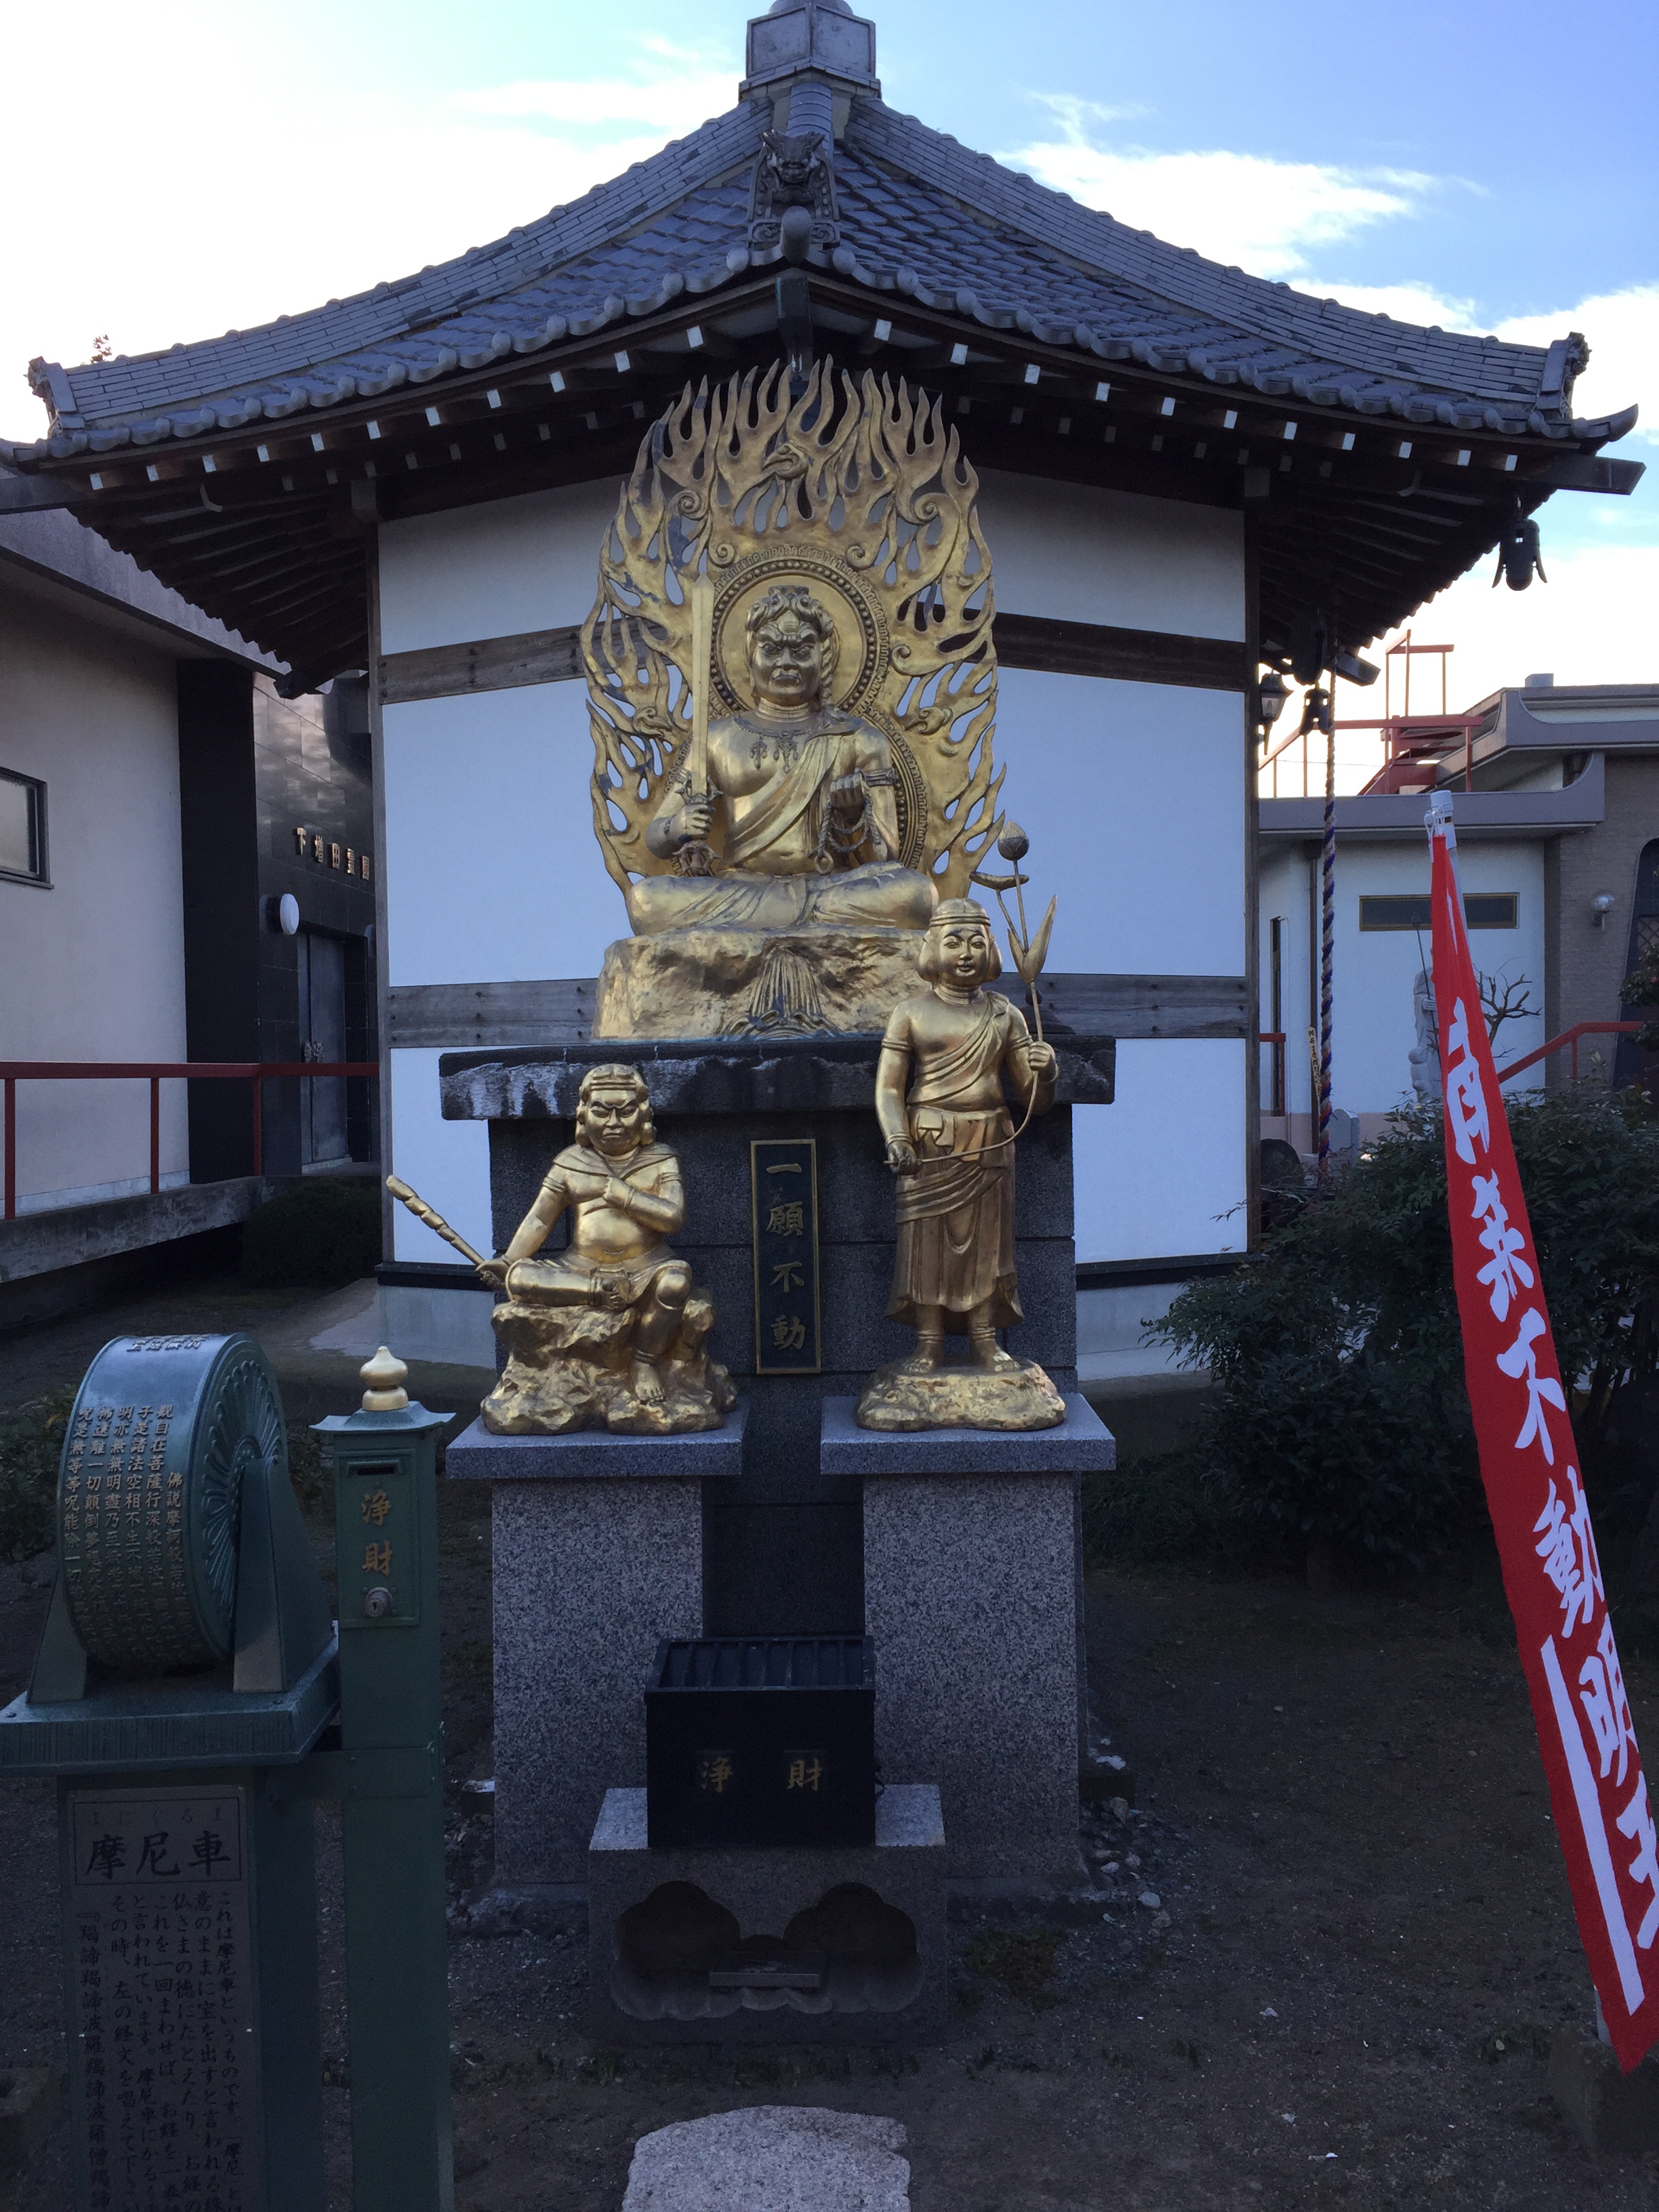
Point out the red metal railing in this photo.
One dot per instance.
(254, 1072)
(1569, 1037)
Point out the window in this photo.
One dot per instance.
(1481, 910)
(22, 828)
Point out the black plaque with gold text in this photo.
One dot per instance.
(784, 1187)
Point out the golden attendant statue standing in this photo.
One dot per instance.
(951, 1144)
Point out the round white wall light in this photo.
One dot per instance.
(287, 915)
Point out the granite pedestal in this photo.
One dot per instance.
(868, 1924)
(783, 1548)
(973, 1593)
(597, 1544)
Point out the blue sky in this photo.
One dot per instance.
(206, 164)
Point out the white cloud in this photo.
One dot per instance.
(270, 206)
(1623, 330)
(1592, 623)
(1265, 215)
(668, 86)
(1406, 303)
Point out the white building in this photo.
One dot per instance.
(1178, 464)
(1557, 812)
(152, 782)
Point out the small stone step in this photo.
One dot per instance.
(771, 2158)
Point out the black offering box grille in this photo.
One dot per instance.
(754, 1741)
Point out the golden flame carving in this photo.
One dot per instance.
(861, 492)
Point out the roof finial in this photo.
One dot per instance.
(795, 36)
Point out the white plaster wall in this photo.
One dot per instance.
(1160, 1173)
(1283, 891)
(1133, 794)
(92, 968)
(1373, 970)
(493, 873)
(447, 1162)
(1076, 553)
(494, 571)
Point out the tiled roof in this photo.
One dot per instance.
(919, 216)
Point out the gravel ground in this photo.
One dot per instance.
(1338, 1893)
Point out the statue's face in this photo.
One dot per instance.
(786, 661)
(615, 1119)
(964, 953)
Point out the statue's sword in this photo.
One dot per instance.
(421, 1211)
(697, 858)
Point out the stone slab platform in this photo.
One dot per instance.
(182, 1721)
(646, 1908)
(586, 1455)
(973, 1590)
(1082, 1445)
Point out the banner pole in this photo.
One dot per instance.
(1539, 1514)
(1326, 947)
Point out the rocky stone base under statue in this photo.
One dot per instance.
(741, 982)
(900, 1400)
(571, 1367)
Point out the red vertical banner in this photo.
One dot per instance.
(1529, 1465)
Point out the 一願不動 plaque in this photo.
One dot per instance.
(784, 1187)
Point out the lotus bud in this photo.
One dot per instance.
(1013, 844)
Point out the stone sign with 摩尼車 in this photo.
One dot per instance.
(165, 2079)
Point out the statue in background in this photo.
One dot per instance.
(610, 1332)
(951, 1144)
(791, 684)
(1424, 1058)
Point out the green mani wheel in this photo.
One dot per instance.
(148, 1492)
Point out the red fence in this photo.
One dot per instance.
(254, 1072)
(1569, 1038)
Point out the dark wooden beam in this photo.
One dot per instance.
(1067, 648)
(1129, 656)
(491, 663)
(513, 1017)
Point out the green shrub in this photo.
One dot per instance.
(1163, 1511)
(322, 1231)
(1339, 1418)
(31, 1444)
(1641, 989)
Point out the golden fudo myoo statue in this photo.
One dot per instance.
(792, 690)
(609, 1333)
(950, 1137)
(809, 830)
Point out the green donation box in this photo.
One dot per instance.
(186, 1670)
(386, 1505)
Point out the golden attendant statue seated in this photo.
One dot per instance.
(609, 1333)
(951, 1145)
